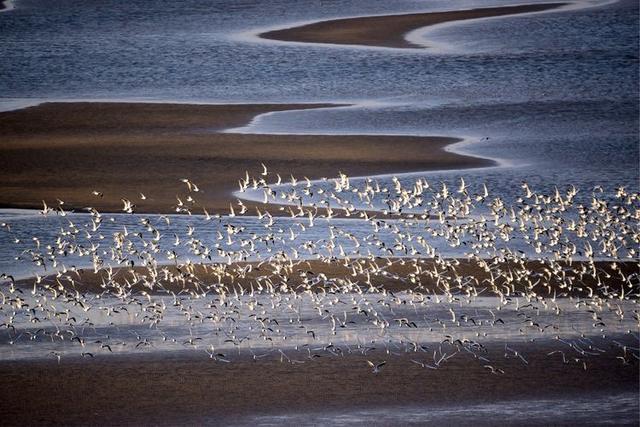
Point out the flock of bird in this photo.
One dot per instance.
(558, 268)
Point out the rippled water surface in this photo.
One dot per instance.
(556, 94)
(551, 97)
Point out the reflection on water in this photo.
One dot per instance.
(304, 325)
(553, 96)
(278, 311)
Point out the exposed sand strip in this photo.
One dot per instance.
(67, 150)
(390, 30)
(189, 388)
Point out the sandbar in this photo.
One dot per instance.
(68, 150)
(390, 30)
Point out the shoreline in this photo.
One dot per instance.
(67, 150)
(364, 30)
(6, 6)
(188, 386)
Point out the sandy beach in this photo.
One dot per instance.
(67, 150)
(365, 31)
(188, 387)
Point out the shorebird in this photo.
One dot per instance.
(376, 367)
(245, 280)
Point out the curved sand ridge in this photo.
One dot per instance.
(67, 150)
(390, 30)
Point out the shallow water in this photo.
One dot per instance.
(111, 50)
(35, 244)
(128, 328)
(554, 93)
(552, 97)
(587, 410)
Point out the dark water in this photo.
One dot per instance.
(192, 50)
(556, 93)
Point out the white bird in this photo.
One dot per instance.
(376, 368)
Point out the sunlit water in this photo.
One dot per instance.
(35, 244)
(555, 93)
(303, 326)
(292, 236)
(552, 97)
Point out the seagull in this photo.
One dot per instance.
(191, 186)
(494, 370)
(376, 368)
(127, 206)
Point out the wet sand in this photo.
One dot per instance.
(398, 272)
(67, 150)
(390, 30)
(189, 388)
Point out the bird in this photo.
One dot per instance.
(494, 370)
(127, 207)
(376, 367)
(307, 285)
